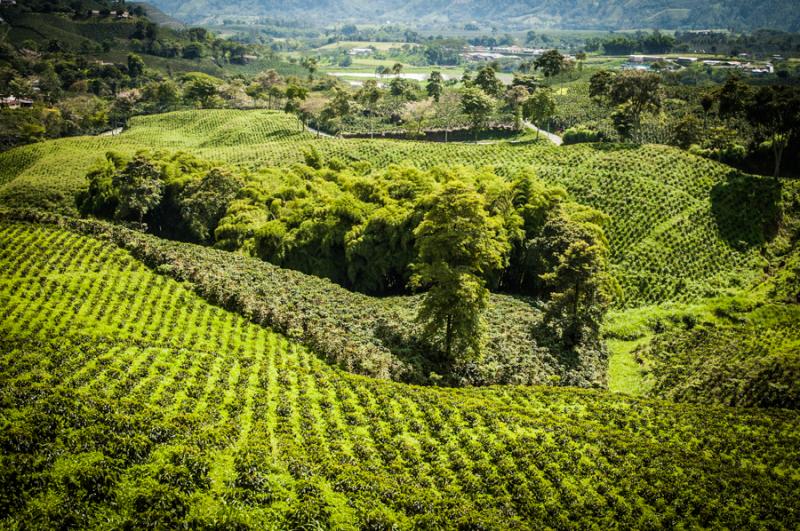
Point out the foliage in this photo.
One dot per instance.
(488, 82)
(638, 91)
(435, 86)
(478, 106)
(178, 195)
(138, 188)
(155, 408)
(378, 337)
(457, 245)
(579, 134)
(551, 63)
(674, 209)
(578, 277)
(203, 202)
(539, 107)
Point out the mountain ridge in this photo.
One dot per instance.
(571, 14)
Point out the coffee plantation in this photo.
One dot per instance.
(129, 401)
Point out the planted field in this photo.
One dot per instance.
(373, 336)
(128, 401)
(677, 229)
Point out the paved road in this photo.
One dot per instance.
(318, 133)
(113, 132)
(555, 139)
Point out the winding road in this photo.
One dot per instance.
(555, 139)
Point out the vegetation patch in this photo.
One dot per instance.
(155, 408)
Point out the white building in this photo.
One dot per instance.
(359, 51)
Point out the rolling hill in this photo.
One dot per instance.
(682, 228)
(128, 401)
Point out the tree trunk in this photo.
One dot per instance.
(777, 148)
(575, 307)
(448, 336)
(576, 304)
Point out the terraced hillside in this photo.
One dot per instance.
(682, 227)
(126, 401)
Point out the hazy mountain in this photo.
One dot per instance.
(597, 14)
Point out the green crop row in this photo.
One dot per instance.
(673, 215)
(126, 400)
(375, 336)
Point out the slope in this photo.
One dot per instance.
(682, 228)
(129, 401)
(739, 350)
(611, 15)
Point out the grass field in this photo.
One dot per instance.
(348, 45)
(682, 228)
(126, 400)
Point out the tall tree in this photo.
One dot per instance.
(478, 105)
(516, 97)
(135, 65)
(340, 103)
(203, 202)
(574, 251)
(200, 88)
(487, 81)
(311, 64)
(551, 63)
(600, 84)
(416, 114)
(539, 107)
(775, 113)
(295, 95)
(448, 109)
(638, 91)
(139, 188)
(369, 95)
(435, 85)
(734, 97)
(457, 244)
(265, 81)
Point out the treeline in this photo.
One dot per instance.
(762, 42)
(753, 127)
(655, 42)
(478, 102)
(452, 233)
(69, 86)
(68, 94)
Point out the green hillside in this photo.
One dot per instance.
(737, 350)
(682, 228)
(572, 14)
(128, 401)
(110, 39)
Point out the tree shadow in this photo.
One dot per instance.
(406, 343)
(746, 209)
